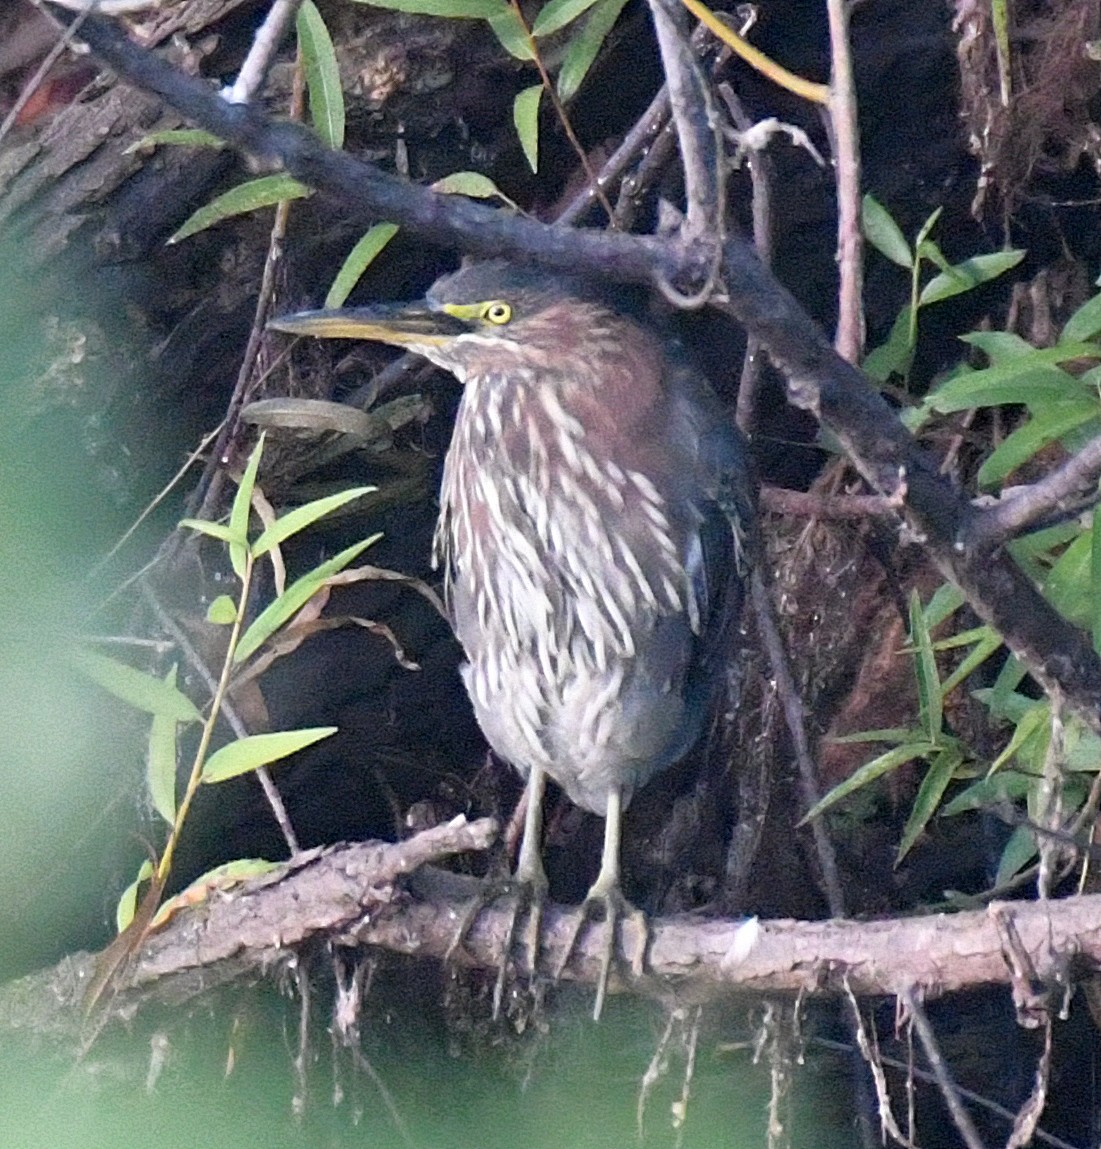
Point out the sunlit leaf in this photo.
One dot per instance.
(128, 901)
(247, 754)
(881, 231)
(322, 75)
(1036, 719)
(265, 191)
(585, 45)
(969, 274)
(144, 691)
(180, 137)
(472, 184)
(222, 611)
(301, 517)
(525, 115)
(223, 877)
(214, 530)
(358, 260)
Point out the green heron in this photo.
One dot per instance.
(595, 514)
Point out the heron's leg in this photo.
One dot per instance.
(527, 890)
(606, 894)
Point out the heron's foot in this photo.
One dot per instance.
(615, 910)
(525, 895)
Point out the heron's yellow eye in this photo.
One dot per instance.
(497, 312)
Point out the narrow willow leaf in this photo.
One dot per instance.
(928, 679)
(1018, 852)
(266, 191)
(984, 648)
(472, 184)
(1008, 786)
(143, 691)
(248, 754)
(454, 9)
(525, 115)
(128, 901)
(301, 517)
(890, 734)
(926, 229)
(291, 601)
(358, 260)
(1052, 420)
(946, 600)
(214, 530)
(557, 14)
(1035, 720)
(584, 46)
(969, 274)
(937, 778)
(180, 137)
(869, 772)
(1095, 581)
(881, 231)
(322, 75)
(1084, 324)
(239, 513)
(160, 763)
(223, 877)
(513, 36)
(222, 611)
(1035, 380)
(1067, 586)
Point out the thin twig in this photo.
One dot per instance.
(265, 44)
(948, 1088)
(849, 337)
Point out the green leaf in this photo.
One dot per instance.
(927, 250)
(937, 778)
(1067, 586)
(525, 115)
(1036, 719)
(301, 517)
(878, 767)
(926, 228)
(242, 505)
(969, 274)
(322, 75)
(513, 36)
(215, 530)
(1032, 379)
(557, 14)
(890, 734)
(291, 601)
(453, 9)
(946, 600)
(357, 261)
(222, 611)
(925, 666)
(247, 754)
(160, 763)
(892, 357)
(472, 184)
(1095, 581)
(180, 137)
(585, 45)
(881, 231)
(128, 901)
(1006, 786)
(1051, 421)
(143, 691)
(265, 191)
(984, 648)
(1084, 324)
(1018, 852)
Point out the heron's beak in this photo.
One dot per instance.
(402, 324)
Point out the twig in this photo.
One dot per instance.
(948, 1088)
(849, 338)
(265, 44)
(1052, 494)
(815, 505)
